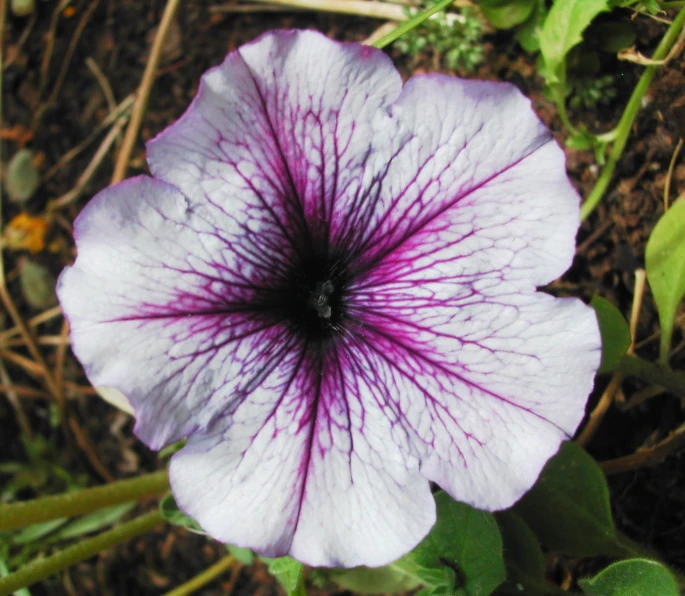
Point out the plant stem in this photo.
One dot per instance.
(412, 23)
(17, 515)
(39, 569)
(203, 578)
(653, 373)
(143, 93)
(559, 93)
(628, 117)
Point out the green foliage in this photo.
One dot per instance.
(463, 550)
(93, 522)
(665, 264)
(615, 333)
(563, 29)
(389, 579)
(591, 92)
(244, 555)
(171, 513)
(568, 508)
(22, 178)
(462, 556)
(523, 556)
(288, 572)
(633, 577)
(505, 14)
(528, 33)
(649, 6)
(37, 285)
(41, 472)
(455, 37)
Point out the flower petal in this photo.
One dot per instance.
(282, 126)
(319, 472)
(159, 309)
(477, 177)
(473, 212)
(488, 383)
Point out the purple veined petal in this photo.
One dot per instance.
(322, 473)
(489, 383)
(476, 176)
(158, 304)
(329, 289)
(282, 126)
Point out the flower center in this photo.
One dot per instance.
(320, 299)
(312, 298)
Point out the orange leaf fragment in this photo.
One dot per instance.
(26, 232)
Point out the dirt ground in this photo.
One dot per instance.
(52, 106)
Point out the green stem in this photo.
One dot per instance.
(17, 515)
(653, 373)
(559, 93)
(412, 23)
(202, 579)
(299, 590)
(39, 569)
(628, 117)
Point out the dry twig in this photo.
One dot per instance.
(143, 93)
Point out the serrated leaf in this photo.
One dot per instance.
(615, 333)
(287, 571)
(466, 545)
(563, 29)
(170, 512)
(505, 14)
(568, 508)
(22, 178)
(665, 264)
(632, 577)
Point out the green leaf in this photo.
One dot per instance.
(93, 522)
(665, 264)
(37, 531)
(170, 512)
(37, 284)
(244, 555)
(505, 14)
(466, 545)
(568, 508)
(528, 34)
(633, 577)
(389, 579)
(523, 556)
(615, 333)
(563, 29)
(287, 571)
(22, 178)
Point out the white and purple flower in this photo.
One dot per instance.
(329, 288)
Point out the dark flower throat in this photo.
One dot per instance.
(312, 298)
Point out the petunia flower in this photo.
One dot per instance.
(329, 287)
